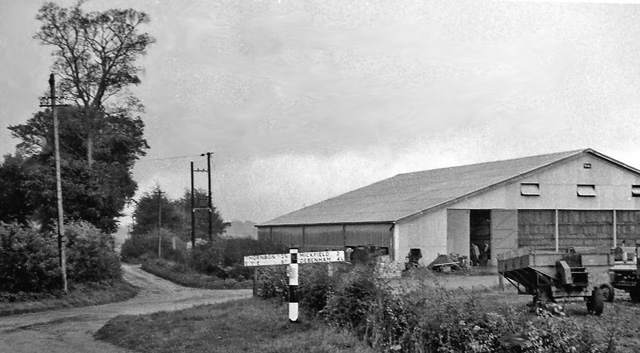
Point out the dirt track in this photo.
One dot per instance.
(71, 330)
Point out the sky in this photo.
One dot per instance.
(301, 101)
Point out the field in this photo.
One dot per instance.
(261, 326)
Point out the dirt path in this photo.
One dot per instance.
(71, 330)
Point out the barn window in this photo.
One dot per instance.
(530, 189)
(635, 190)
(586, 190)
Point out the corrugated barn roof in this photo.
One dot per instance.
(407, 194)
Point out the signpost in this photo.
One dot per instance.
(293, 258)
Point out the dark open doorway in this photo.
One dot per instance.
(480, 237)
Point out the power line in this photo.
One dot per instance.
(167, 158)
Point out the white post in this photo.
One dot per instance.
(293, 285)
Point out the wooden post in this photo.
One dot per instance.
(557, 231)
(255, 282)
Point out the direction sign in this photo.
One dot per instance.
(320, 256)
(285, 259)
(267, 260)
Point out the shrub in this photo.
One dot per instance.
(90, 255)
(315, 288)
(145, 246)
(272, 282)
(207, 259)
(28, 260)
(349, 304)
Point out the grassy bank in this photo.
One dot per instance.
(183, 275)
(250, 325)
(79, 295)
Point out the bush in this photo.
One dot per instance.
(272, 282)
(145, 246)
(90, 255)
(28, 260)
(207, 259)
(315, 288)
(349, 304)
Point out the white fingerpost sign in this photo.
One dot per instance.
(293, 258)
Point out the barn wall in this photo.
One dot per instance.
(428, 233)
(322, 237)
(378, 235)
(558, 189)
(628, 227)
(536, 229)
(458, 224)
(585, 228)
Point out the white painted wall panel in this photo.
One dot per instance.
(428, 233)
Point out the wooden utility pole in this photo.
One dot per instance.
(56, 144)
(193, 212)
(209, 201)
(159, 193)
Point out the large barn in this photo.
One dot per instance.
(553, 201)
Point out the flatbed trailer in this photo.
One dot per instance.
(553, 276)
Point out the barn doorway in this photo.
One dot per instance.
(480, 237)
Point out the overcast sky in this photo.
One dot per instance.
(305, 100)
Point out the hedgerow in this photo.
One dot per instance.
(428, 318)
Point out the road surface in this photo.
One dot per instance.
(71, 330)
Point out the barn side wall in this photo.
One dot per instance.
(427, 233)
(331, 236)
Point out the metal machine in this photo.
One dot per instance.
(551, 275)
(625, 274)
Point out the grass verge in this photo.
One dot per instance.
(183, 275)
(249, 325)
(79, 295)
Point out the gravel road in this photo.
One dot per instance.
(71, 330)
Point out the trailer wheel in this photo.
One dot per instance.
(595, 303)
(634, 293)
(607, 292)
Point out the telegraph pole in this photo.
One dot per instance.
(159, 193)
(56, 144)
(209, 207)
(209, 201)
(193, 212)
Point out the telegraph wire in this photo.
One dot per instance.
(166, 158)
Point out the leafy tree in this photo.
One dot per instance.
(97, 193)
(176, 215)
(95, 56)
(146, 213)
(202, 216)
(13, 198)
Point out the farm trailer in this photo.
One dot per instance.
(551, 275)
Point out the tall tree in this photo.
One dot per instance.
(147, 209)
(95, 56)
(97, 193)
(176, 215)
(201, 216)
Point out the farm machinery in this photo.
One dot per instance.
(550, 276)
(625, 274)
